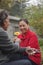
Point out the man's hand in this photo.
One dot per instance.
(14, 39)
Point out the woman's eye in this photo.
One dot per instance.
(23, 25)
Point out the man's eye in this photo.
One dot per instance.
(20, 25)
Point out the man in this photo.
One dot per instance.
(7, 47)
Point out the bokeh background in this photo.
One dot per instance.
(29, 9)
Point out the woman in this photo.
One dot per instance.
(29, 38)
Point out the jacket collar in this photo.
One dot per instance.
(26, 35)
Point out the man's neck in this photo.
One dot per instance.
(3, 28)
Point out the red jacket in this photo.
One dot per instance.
(30, 39)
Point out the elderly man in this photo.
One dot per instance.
(8, 49)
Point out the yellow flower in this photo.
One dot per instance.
(16, 33)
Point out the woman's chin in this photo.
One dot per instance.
(24, 32)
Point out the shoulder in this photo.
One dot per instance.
(32, 34)
(2, 32)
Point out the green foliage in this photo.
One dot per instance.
(6, 4)
(42, 53)
(35, 15)
(41, 47)
(16, 7)
(41, 42)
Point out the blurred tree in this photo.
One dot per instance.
(6, 4)
(35, 15)
(16, 7)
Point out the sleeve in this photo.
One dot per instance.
(6, 45)
(20, 36)
(33, 42)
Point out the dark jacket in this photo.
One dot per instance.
(7, 47)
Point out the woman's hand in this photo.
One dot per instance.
(30, 51)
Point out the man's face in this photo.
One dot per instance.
(6, 23)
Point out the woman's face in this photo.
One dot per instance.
(23, 26)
